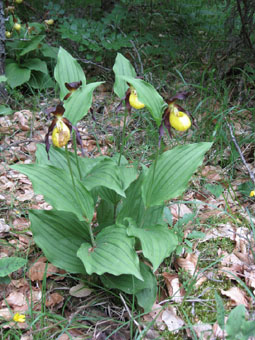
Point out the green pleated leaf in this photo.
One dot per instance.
(36, 64)
(39, 80)
(67, 70)
(174, 169)
(59, 234)
(237, 327)
(58, 159)
(9, 265)
(56, 186)
(5, 110)
(128, 174)
(149, 96)
(105, 214)
(31, 45)
(114, 253)
(157, 241)
(134, 207)
(2, 78)
(80, 101)
(49, 51)
(16, 75)
(105, 174)
(122, 67)
(145, 290)
(108, 195)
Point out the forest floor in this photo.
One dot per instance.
(194, 289)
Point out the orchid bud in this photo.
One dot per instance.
(49, 22)
(8, 34)
(17, 26)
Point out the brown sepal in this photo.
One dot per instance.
(73, 86)
(178, 96)
(56, 110)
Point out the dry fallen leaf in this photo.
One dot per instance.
(54, 299)
(5, 313)
(203, 331)
(17, 301)
(63, 337)
(212, 173)
(179, 210)
(249, 274)
(21, 223)
(237, 296)
(80, 290)
(4, 228)
(229, 259)
(27, 196)
(222, 231)
(22, 118)
(189, 263)
(218, 332)
(27, 337)
(155, 314)
(172, 320)
(37, 271)
(173, 286)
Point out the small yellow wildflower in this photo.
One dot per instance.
(19, 317)
(252, 193)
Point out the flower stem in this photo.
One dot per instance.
(71, 172)
(76, 155)
(123, 136)
(77, 197)
(153, 174)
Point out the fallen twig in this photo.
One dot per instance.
(251, 174)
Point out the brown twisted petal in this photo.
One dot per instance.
(56, 110)
(178, 96)
(73, 86)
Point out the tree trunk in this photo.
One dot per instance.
(3, 93)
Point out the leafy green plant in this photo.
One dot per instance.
(28, 55)
(128, 200)
(237, 327)
(185, 242)
(9, 265)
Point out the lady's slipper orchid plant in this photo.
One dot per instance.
(61, 129)
(175, 116)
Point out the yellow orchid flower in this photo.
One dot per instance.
(134, 101)
(61, 129)
(61, 133)
(252, 193)
(175, 116)
(178, 120)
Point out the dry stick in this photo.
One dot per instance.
(240, 152)
(130, 315)
(136, 51)
(8, 146)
